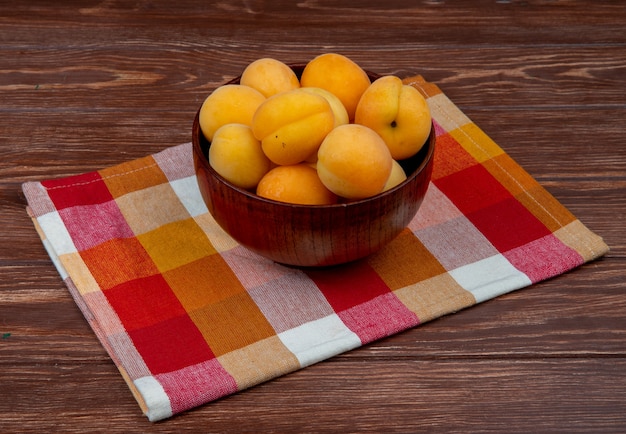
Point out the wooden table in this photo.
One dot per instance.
(87, 84)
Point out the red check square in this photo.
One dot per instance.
(86, 189)
(171, 345)
(508, 224)
(144, 301)
(472, 189)
(349, 285)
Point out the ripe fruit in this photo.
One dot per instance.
(269, 76)
(339, 111)
(340, 76)
(237, 155)
(291, 125)
(333, 134)
(354, 162)
(298, 184)
(396, 177)
(230, 103)
(398, 113)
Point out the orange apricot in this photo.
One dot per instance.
(354, 162)
(297, 184)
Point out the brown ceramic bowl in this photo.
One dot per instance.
(312, 235)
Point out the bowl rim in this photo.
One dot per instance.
(429, 144)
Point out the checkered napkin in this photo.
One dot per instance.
(189, 316)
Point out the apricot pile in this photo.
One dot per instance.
(329, 136)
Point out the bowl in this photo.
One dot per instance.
(312, 235)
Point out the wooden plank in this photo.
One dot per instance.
(97, 80)
(92, 84)
(558, 394)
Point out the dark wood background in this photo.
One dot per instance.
(87, 84)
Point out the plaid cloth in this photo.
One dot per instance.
(189, 316)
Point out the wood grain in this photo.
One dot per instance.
(93, 83)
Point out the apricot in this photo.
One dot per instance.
(354, 162)
(396, 177)
(237, 155)
(398, 113)
(291, 125)
(339, 111)
(269, 76)
(297, 184)
(340, 76)
(229, 103)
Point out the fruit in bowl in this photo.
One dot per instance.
(339, 197)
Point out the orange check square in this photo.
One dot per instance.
(132, 176)
(450, 157)
(176, 244)
(405, 261)
(203, 282)
(117, 261)
(232, 323)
